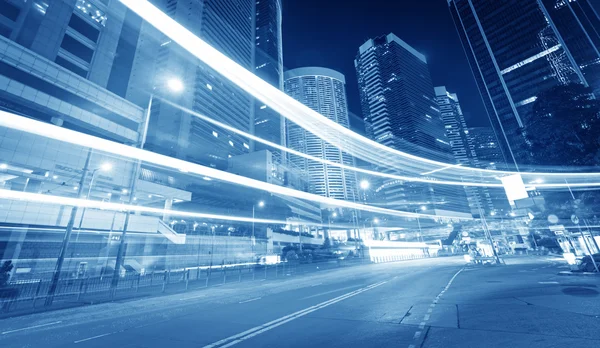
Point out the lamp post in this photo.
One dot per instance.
(174, 85)
(422, 208)
(65, 242)
(260, 205)
(106, 167)
(376, 222)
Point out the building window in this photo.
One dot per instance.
(9, 10)
(72, 67)
(92, 11)
(84, 28)
(77, 49)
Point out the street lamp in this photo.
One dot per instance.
(174, 85)
(105, 167)
(422, 208)
(364, 184)
(260, 205)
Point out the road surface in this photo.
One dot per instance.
(421, 303)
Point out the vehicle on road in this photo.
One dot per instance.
(585, 264)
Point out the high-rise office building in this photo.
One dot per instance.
(60, 62)
(487, 147)
(227, 26)
(489, 156)
(400, 111)
(323, 90)
(517, 49)
(268, 65)
(462, 146)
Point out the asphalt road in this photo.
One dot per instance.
(421, 303)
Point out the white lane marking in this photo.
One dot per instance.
(427, 316)
(316, 284)
(329, 292)
(93, 337)
(548, 282)
(191, 297)
(30, 327)
(242, 336)
(250, 300)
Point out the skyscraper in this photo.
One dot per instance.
(60, 61)
(462, 146)
(400, 111)
(268, 65)
(517, 49)
(229, 27)
(489, 156)
(323, 90)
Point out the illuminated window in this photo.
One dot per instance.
(92, 11)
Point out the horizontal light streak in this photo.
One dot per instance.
(85, 203)
(295, 111)
(322, 160)
(72, 137)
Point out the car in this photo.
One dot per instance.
(585, 264)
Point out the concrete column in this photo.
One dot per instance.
(168, 205)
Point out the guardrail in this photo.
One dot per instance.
(29, 296)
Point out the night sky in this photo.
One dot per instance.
(328, 33)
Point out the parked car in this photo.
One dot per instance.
(586, 264)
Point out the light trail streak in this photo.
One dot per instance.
(321, 160)
(85, 203)
(300, 114)
(72, 137)
(440, 169)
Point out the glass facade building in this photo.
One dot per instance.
(227, 26)
(462, 147)
(324, 91)
(268, 65)
(400, 112)
(520, 48)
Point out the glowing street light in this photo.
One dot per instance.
(260, 205)
(423, 208)
(334, 214)
(175, 85)
(364, 184)
(375, 221)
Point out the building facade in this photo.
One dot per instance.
(400, 111)
(489, 156)
(518, 49)
(268, 65)
(462, 147)
(323, 90)
(227, 26)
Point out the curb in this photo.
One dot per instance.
(581, 274)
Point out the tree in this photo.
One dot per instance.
(564, 127)
(5, 269)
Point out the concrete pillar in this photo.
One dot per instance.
(168, 205)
